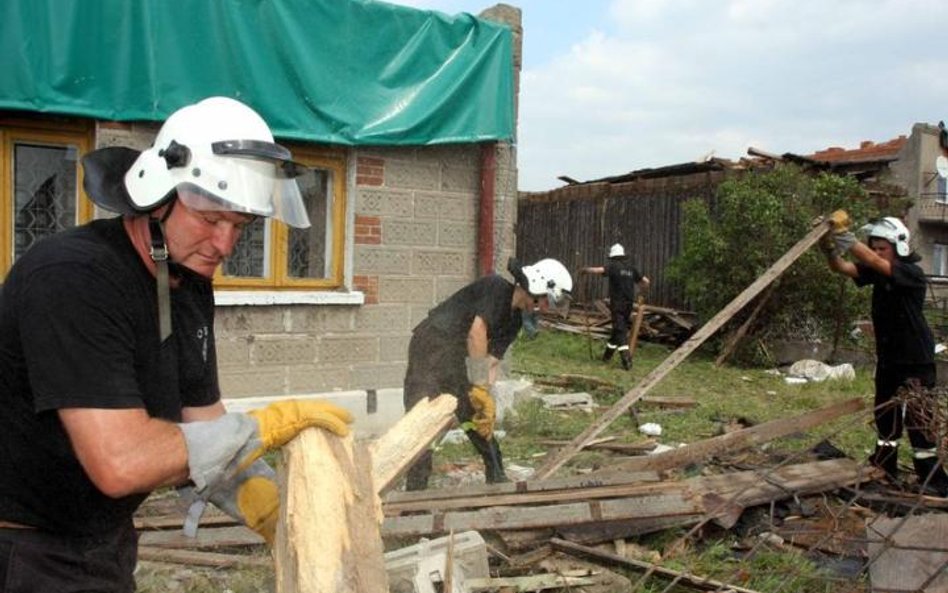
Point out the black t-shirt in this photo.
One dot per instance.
(79, 329)
(902, 334)
(622, 280)
(439, 343)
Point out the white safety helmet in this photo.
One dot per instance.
(892, 230)
(616, 250)
(222, 154)
(549, 278)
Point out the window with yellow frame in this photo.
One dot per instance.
(271, 255)
(40, 182)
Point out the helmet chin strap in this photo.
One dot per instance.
(159, 255)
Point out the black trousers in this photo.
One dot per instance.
(33, 561)
(890, 422)
(621, 314)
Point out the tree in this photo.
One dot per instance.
(753, 220)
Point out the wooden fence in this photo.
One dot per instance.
(576, 224)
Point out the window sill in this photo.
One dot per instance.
(228, 298)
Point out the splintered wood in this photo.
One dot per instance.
(328, 536)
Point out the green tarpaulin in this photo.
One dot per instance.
(338, 71)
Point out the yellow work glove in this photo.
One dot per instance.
(222, 448)
(251, 497)
(839, 221)
(485, 411)
(281, 421)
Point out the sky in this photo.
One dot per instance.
(612, 86)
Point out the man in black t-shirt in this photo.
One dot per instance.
(108, 373)
(457, 347)
(624, 278)
(905, 348)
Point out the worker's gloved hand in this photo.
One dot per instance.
(219, 449)
(485, 411)
(840, 221)
(828, 246)
(844, 242)
(251, 497)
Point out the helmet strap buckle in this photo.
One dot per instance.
(159, 254)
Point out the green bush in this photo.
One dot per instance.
(751, 223)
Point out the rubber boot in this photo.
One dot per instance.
(626, 360)
(886, 458)
(493, 459)
(931, 476)
(608, 353)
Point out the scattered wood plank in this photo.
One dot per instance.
(734, 441)
(637, 325)
(682, 578)
(625, 448)
(491, 490)
(909, 553)
(674, 359)
(213, 537)
(719, 498)
(196, 558)
(327, 538)
(537, 582)
(401, 445)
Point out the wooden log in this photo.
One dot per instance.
(327, 539)
(734, 441)
(674, 359)
(396, 450)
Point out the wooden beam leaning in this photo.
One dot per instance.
(734, 441)
(674, 359)
(328, 538)
(395, 451)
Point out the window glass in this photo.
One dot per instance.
(45, 190)
(309, 253)
(940, 259)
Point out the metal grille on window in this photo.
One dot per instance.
(247, 260)
(45, 192)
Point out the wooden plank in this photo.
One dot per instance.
(195, 558)
(213, 537)
(651, 508)
(537, 582)
(490, 490)
(669, 401)
(674, 359)
(176, 521)
(637, 325)
(525, 498)
(734, 441)
(674, 499)
(401, 445)
(693, 581)
(741, 331)
(327, 538)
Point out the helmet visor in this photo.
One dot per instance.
(263, 182)
(559, 301)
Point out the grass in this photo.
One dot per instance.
(724, 395)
